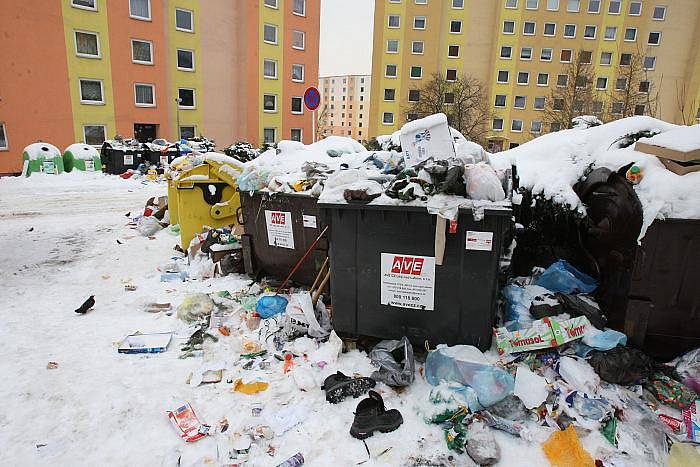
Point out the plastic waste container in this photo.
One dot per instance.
(207, 195)
(279, 228)
(82, 157)
(385, 282)
(42, 158)
(118, 157)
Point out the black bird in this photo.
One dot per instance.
(87, 306)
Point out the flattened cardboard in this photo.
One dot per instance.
(667, 153)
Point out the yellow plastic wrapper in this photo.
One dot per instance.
(563, 449)
(249, 388)
(683, 455)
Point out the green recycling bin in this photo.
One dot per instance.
(83, 157)
(42, 158)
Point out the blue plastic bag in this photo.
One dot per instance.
(271, 305)
(563, 277)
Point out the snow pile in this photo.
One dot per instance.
(551, 164)
(82, 151)
(36, 151)
(684, 139)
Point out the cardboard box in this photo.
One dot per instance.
(679, 169)
(666, 153)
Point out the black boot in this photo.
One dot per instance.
(339, 386)
(371, 416)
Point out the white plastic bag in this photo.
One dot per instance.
(530, 388)
(148, 226)
(579, 374)
(483, 182)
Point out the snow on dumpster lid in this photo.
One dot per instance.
(293, 154)
(682, 139)
(82, 151)
(37, 150)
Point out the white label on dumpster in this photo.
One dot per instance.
(309, 221)
(128, 159)
(408, 281)
(279, 229)
(479, 240)
(90, 166)
(163, 160)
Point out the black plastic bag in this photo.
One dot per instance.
(576, 306)
(622, 365)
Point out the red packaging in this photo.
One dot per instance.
(673, 423)
(188, 426)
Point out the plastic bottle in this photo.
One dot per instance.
(634, 174)
(295, 461)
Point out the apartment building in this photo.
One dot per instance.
(520, 48)
(344, 110)
(86, 70)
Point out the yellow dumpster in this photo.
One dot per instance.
(172, 199)
(207, 195)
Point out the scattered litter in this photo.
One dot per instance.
(578, 374)
(155, 307)
(195, 307)
(530, 388)
(145, 343)
(52, 365)
(395, 362)
(186, 423)
(250, 388)
(543, 334)
(481, 444)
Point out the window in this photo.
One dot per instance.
(601, 83)
(625, 59)
(586, 57)
(91, 91)
(635, 8)
(539, 103)
(140, 9)
(546, 55)
(589, 32)
(94, 135)
(299, 7)
(453, 51)
(523, 77)
(388, 118)
(553, 5)
(594, 6)
(394, 21)
(562, 81)
(610, 33)
(565, 56)
(506, 51)
(508, 27)
(558, 104)
(644, 86)
(295, 134)
(581, 82)
(597, 107)
(621, 84)
(183, 20)
(270, 135)
(451, 75)
(186, 98)
(455, 26)
(615, 7)
(270, 69)
(449, 98)
(142, 52)
(654, 38)
(145, 95)
(573, 6)
(389, 94)
(649, 63)
(413, 95)
(458, 4)
(297, 105)
(550, 29)
(500, 100)
(390, 71)
(270, 102)
(569, 30)
(543, 79)
(85, 4)
(497, 124)
(519, 102)
(392, 46)
(419, 22)
(536, 126)
(421, 2)
(298, 73)
(87, 44)
(271, 3)
(529, 28)
(526, 53)
(3, 138)
(298, 40)
(532, 4)
(606, 58)
(270, 33)
(616, 108)
(185, 60)
(516, 125)
(418, 47)
(631, 34)
(502, 76)
(511, 3)
(416, 72)
(659, 13)
(639, 109)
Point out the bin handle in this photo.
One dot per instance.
(240, 217)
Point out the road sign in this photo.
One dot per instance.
(312, 98)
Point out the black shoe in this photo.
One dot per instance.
(339, 386)
(371, 416)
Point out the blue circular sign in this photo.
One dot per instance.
(312, 98)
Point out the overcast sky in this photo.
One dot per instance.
(346, 37)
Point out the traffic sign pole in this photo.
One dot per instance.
(313, 128)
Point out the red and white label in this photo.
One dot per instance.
(408, 281)
(279, 229)
(482, 241)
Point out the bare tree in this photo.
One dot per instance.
(321, 120)
(633, 92)
(463, 100)
(573, 97)
(688, 108)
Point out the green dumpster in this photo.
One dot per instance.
(42, 157)
(82, 157)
